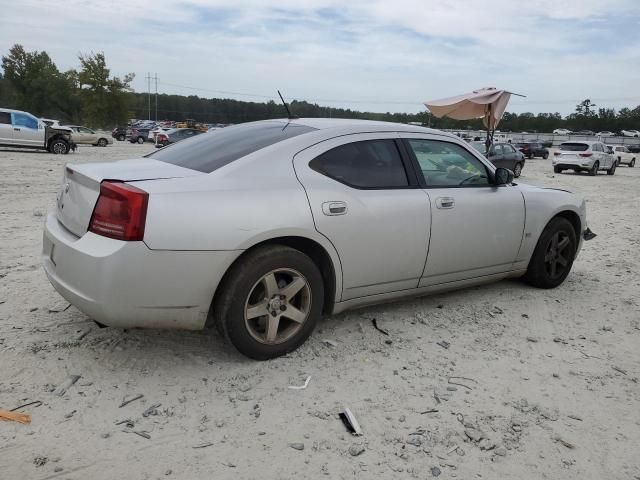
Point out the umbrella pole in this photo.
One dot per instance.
(489, 139)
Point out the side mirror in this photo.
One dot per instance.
(503, 176)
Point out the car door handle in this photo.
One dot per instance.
(334, 208)
(16, 129)
(445, 202)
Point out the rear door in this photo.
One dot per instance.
(476, 228)
(366, 202)
(27, 130)
(510, 156)
(496, 155)
(6, 128)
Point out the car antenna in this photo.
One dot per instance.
(289, 116)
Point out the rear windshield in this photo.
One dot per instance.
(212, 150)
(574, 147)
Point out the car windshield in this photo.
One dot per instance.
(574, 147)
(207, 153)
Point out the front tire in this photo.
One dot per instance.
(557, 170)
(594, 170)
(545, 155)
(612, 170)
(121, 137)
(270, 302)
(632, 163)
(553, 256)
(517, 170)
(102, 142)
(140, 140)
(59, 147)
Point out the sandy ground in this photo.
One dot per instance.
(550, 389)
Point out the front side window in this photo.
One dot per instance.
(370, 164)
(23, 120)
(5, 118)
(445, 164)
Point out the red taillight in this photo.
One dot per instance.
(120, 212)
(161, 137)
(586, 154)
(557, 153)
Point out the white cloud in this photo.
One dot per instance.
(375, 54)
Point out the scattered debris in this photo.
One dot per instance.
(461, 384)
(349, 420)
(474, 434)
(560, 340)
(228, 464)
(452, 449)
(375, 325)
(618, 369)
(70, 414)
(501, 451)
(83, 334)
(37, 403)
(561, 441)
(40, 461)
(355, 450)
(590, 356)
(297, 446)
(329, 343)
(127, 402)
(64, 386)
(532, 339)
(415, 440)
(431, 410)
(152, 410)
(15, 416)
(203, 445)
(524, 315)
(444, 344)
(435, 471)
(301, 387)
(575, 417)
(59, 307)
(128, 422)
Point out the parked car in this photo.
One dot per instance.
(623, 155)
(583, 156)
(142, 245)
(175, 135)
(503, 155)
(86, 136)
(119, 133)
(533, 149)
(20, 129)
(606, 133)
(586, 133)
(561, 131)
(138, 135)
(634, 148)
(630, 133)
(156, 131)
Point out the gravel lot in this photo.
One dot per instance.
(550, 389)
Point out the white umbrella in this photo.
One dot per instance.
(486, 103)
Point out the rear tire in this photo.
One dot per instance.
(140, 140)
(632, 163)
(557, 170)
(612, 170)
(102, 142)
(253, 302)
(121, 137)
(545, 155)
(594, 170)
(556, 245)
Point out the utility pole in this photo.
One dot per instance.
(148, 77)
(156, 80)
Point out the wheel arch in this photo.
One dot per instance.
(331, 273)
(573, 218)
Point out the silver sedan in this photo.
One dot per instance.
(261, 228)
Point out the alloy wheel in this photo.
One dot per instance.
(277, 306)
(556, 258)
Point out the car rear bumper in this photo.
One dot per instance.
(126, 284)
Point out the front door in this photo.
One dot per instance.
(27, 130)
(365, 201)
(476, 228)
(496, 155)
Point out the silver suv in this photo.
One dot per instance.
(583, 156)
(23, 130)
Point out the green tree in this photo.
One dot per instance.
(105, 99)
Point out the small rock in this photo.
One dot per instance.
(402, 418)
(473, 434)
(501, 451)
(607, 328)
(33, 309)
(168, 472)
(40, 461)
(297, 446)
(388, 342)
(245, 387)
(105, 435)
(58, 469)
(451, 388)
(516, 428)
(532, 339)
(219, 423)
(555, 375)
(414, 440)
(435, 471)
(355, 450)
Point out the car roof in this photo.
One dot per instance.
(584, 142)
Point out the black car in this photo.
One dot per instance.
(119, 133)
(175, 135)
(634, 148)
(503, 155)
(533, 149)
(138, 135)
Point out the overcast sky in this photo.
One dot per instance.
(375, 55)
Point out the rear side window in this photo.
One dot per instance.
(5, 118)
(574, 147)
(496, 150)
(210, 151)
(370, 164)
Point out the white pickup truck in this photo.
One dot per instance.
(23, 130)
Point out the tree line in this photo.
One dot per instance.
(90, 95)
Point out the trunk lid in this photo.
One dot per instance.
(81, 186)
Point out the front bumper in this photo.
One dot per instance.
(125, 284)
